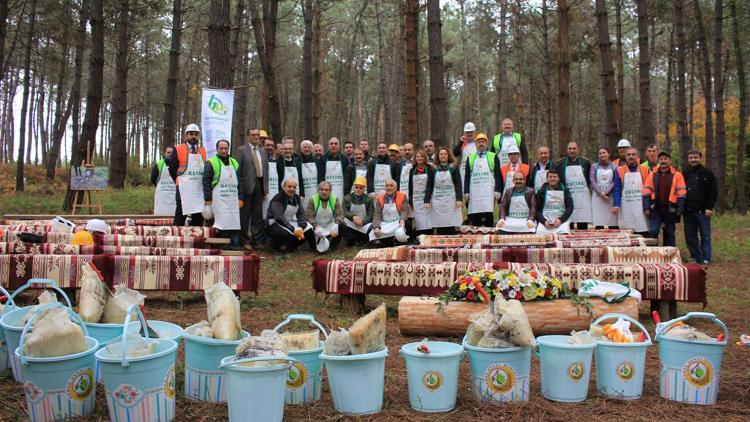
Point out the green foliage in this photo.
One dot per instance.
(128, 201)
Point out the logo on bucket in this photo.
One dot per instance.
(169, 383)
(297, 376)
(500, 378)
(33, 392)
(625, 371)
(576, 370)
(81, 384)
(433, 380)
(127, 395)
(698, 372)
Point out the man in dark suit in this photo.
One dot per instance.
(253, 165)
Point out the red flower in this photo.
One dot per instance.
(519, 295)
(548, 292)
(534, 274)
(470, 295)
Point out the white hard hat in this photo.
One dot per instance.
(514, 149)
(623, 143)
(96, 225)
(323, 244)
(401, 235)
(192, 127)
(469, 127)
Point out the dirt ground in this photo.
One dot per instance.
(286, 288)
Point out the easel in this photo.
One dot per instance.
(86, 197)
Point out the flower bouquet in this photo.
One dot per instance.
(481, 285)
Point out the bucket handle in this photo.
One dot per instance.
(46, 281)
(37, 313)
(703, 315)
(256, 359)
(10, 301)
(301, 317)
(134, 308)
(625, 317)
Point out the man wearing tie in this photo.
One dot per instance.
(253, 165)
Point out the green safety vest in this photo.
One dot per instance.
(160, 166)
(497, 138)
(216, 164)
(316, 201)
(490, 160)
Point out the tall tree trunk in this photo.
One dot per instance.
(305, 96)
(384, 66)
(680, 100)
(668, 93)
(611, 105)
(411, 34)
(170, 99)
(619, 62)
(547, 73)
(719, 150)
(62, 112)
(3, 26)
(502, 105)
(265, 42)
(318, 49)
(438, 115)
(739, 168)
(466, 91)
(118, 146)
(239, 119)
(646, 126)
(563, 78)
(219, 56)
(706, 87)
(75, 90)
(25, 100)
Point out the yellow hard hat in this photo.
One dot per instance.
(393, 147)
(83, 238)
(262, 134)
(360, 181)
(481, 135)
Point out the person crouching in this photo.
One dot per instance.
(325, 214)
(358, 212)
(287, 223)
(518, 207)
(391, 212)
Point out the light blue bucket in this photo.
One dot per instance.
(356, 382)
(256, 393)
(62, 387)
(204, 381)
(566, 368)
(690, 369)
(620, 366)
(500, 375)
(4, 354)
(167, 330)
(140, 388)
(12, 322)
(304, 383)
(433, 376)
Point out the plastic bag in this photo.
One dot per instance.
(367, 334)
(223, 312)
(268, 344)
(135, 346)
(686, 332)
(580, 337)
(511, 318)
(307, 340)
(94, 294)
(609, 292)
(202, 329)
(54, 335)
(44, 298)
(337, 343)
(618, 332)
(481, 323)
(117, 307)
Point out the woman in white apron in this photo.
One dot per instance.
(324, 212)
(628, 198)
(164, 196)
(358, 213)
(447, 194)
(420, 185)
(221, 194)
(554, 206)
(482, 184)
(518, 207)
(273, 185)
(391, 212)
(287, 223)
(379, 170)
(576, 180)
(602, 177)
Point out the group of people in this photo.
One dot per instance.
(269, 192)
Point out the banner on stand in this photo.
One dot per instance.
(216, 117)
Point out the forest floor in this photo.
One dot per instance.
(286, 287)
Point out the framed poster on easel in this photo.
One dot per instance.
(84, 180)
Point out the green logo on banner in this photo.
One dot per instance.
(215, 105)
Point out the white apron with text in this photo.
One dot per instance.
(273, 187)
(554, 208)
(518, 214)
(335, 176)
(291, 173)
(290, 213)
(575, 181)
(482, 187)
(309, 179)
(601, 209)
(391, 220)
(421, 214)
(360, 211)
(164, 197)
(506, 143)
(444, 212)
(382, 173)
(404, 183)
(540, 178)
(324, 218)
(191, 185)
(631, 207)
(467, 150)
(226, 204)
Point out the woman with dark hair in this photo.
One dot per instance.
(420, 192)
(447, 194)
(602, 177)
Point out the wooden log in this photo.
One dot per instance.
(420, 316)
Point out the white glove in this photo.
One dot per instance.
(497, 195)
(208, 212)
(500, 223)
(530, 224)
(401, 235)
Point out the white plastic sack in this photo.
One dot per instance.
(54, 334)
(44, 298)
(202, 329)
(609, 292)
(135, 346)
(94, 294)
(337, 343)
(223, 312)
(268, 344)
(117, 306)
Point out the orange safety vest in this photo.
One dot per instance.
(523, 168)
(617, 162)
(400, 197)
(183, 152)
(624, 168)
(678, 189)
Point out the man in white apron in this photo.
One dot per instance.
(628, 194)
(287, 223)
(358, 213)
(420, 193)
(356, 169)
(503, 141)
(273, 175)
(574, 172)
(518, 207)
(465, 147)
(602, 176)
(186, 169)
(482, 184)
(288, 166)
(391, 212)
(332, 167)
(164, 196)
(324, 212)
(221, 192)
(447, 195)
(538, 173)
(379, 170)
(510, 168)
(554, 206)
(309, 165)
